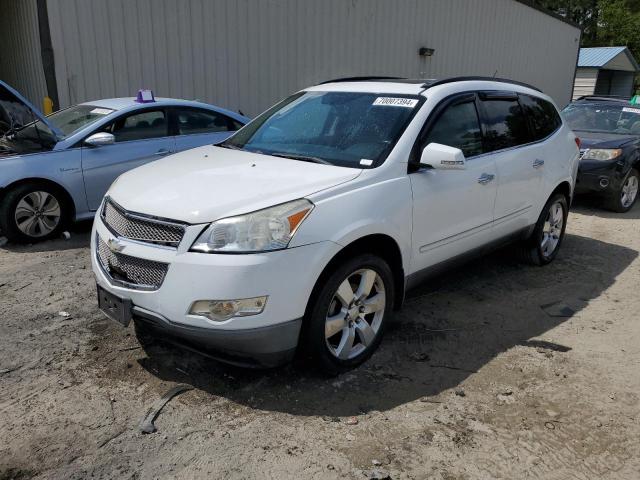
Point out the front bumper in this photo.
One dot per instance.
(599, 177)
(287, 277)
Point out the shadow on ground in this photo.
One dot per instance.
(592, 205)
(79, 231)
(448, 329)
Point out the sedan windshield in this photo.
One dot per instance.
(350, 129)
(603, 118)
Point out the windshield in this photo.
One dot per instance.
(348, 129)
(603, 118)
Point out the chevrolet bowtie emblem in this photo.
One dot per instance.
(114, 245)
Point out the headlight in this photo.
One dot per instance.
(602, 154)
(264, 230)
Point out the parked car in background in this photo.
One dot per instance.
(55, 169)
(609, 132)
(307, 226)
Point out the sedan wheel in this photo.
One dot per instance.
(37, 214)
(355, 314)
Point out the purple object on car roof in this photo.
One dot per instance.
(145, 96)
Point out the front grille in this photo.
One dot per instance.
(137, 227)
(582, 152)
(130, 271)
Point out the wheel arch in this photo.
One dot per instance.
(378, 244)
(564, 188)
(42, 181)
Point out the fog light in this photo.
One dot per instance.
(221, 310)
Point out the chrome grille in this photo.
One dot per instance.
(130, 271)
(137, 227)
(582, 152)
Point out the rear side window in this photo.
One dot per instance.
(458, 127)
(543, 116)
(505, 123)
(202, 121)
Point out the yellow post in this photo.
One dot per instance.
(47, 106)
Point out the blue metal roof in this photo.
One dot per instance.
(599, 56)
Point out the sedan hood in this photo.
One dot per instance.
(603, 140)
(209, 183)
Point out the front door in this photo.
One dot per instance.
(140, 137)
(453, 209)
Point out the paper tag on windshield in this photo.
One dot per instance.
(101, 111)
(395, 102)
(366, 162)
(631, 110)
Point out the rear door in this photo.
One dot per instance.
(453, 209)
(195, 127)
(140, 137)
(509, 140)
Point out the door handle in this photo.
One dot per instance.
(538, 163)
(162, 152)
(486, 178)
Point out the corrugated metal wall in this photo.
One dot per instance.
(20, 59)
(585, 83)
(247, 54)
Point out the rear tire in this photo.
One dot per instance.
(348, 315)
(543, 244)
(625, 198)
(34, 212)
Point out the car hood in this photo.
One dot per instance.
(208, 183)
(603, 140)
(16, 111)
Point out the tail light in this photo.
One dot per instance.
(578, 142)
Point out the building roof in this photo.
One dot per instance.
(600, 57)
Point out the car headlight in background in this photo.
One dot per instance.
(602, 154)
(264, 230)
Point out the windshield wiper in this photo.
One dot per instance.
(230, 146)
(303, 158)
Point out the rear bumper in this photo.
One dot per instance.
(262, 347)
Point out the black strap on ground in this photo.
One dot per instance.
(146, 425)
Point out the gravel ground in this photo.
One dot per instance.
(496, 370)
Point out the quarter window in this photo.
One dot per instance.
(506, 125)
(139, 126)
(202, 121)
(458, 127)
(543, 116)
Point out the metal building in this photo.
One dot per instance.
(605, 71)
(247, 54)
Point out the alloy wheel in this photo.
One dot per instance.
(355, 314)
(629, 191)
(37, 214)
(552, 230)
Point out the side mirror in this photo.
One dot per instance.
(442, 157)
(100, 139)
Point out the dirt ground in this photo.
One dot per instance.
(496, 370)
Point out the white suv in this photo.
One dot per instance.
(304, 230)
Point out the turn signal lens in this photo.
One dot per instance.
(221, 310)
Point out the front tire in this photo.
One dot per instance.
(346, 320)
(542, 247)
(623, 200)
(33, 212)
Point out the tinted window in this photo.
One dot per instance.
(140, 126)
(458, 127)
(543, 117)
(506, 126)
(201, 121)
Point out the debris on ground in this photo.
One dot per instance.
(66, 235)
(460, 393)
(419, 357)
(351, 421)
(64, 314)
(146, 425)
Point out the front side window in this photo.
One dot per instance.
(543, 116)
(505, 124)
(603, 118)
(458, 127)
(139, 126)
(351, 129)
(201, 121)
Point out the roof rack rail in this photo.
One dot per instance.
(484, 79)
(361, 79)
(603, 98)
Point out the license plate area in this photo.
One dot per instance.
(116, 308)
